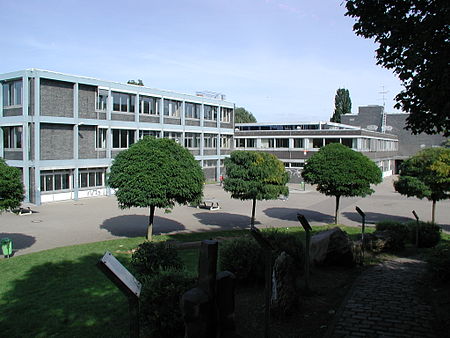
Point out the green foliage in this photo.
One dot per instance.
(342, 104)
(11, 187)
(255, 175)
(156, 172)
(241, 115)
(401, 230)
(150, 258)
(426, 175)
(291, 243)
(243, 257)
(429, 233)
(340, 171)
(160, 303)
(439, 262)
(413, 43)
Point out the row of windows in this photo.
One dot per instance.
(56, 180)
(269, 143)
(124, 138)
(12, 93)
(125, 103)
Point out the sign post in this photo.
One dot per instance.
(305, 224)
(126, 283)
(363, 215)
(267, 248)
(417, 228)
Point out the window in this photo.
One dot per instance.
(100, 138)
(172, 108)
(92, 177)
(296, 165)
(267, 143)
(12, 137)
(122, 138)
(209, 163)
(192, 110)
(143, 133)
(102, 100)
(298, 143)
(282, 142)
(173, 136)
(123, 102)
(251, 143)
(240, 143)
(12, 93)
(210, 113)
(225, 141)
(210, 141)
(192, 140)
(148, 105)
(225, 114)
(347, 142)
(331, 140)
(317, 142)
(54, 180)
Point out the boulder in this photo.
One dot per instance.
(331, 247)
(284, 289)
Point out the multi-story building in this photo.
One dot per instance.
(63, 131)
(375, 118)
(294, 143)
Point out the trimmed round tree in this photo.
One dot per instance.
(340, 171)
(11, 187)
(156, 173)
(255, 176)
(426, 175)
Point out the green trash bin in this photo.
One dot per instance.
(6, 246)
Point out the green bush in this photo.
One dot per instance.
(151, 257)
(439, 262)
(244, 257)
(160, 311)
(429, 233)
(399, 231)
(291, 243)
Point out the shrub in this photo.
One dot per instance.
(243, 257)
(290, 243)
(151, 257)
(160, 311)
(429, 233)
(439, 262)
(399, 231)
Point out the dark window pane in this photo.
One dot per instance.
(49, 183)
(66, 181)
(58, 180)
(92, 180)
(99, 179)
(123, 138)
(116, 138)
(83, 180)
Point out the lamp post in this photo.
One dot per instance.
(305, 224)
(363, 215)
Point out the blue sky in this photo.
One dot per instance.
(283, 60)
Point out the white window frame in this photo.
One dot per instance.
(54, 176)
(129, 139)
(12, 137)
(12, 93)
(95, 178)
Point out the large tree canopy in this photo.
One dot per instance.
(256, 176)
(241, 115)
(156, 173)
(413, 38)
(340, 171)
(11, 187)
(342, 104)
(426, 175)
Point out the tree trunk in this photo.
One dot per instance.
(433, 211)
(336, 212)
(252, 224)
(150, 223)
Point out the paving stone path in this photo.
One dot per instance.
(384, 303)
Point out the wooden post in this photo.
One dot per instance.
(417, 228)
(363, 215)
(305, 224)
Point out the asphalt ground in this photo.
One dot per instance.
(95, 219)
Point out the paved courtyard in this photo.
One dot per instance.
(95, 219)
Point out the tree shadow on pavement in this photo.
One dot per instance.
(224, 220)
(19, 241)
(374, 217)
(290, 214)
(136, 225)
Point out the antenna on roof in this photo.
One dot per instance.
(211, 94)
(383, 93)
(383, 114)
